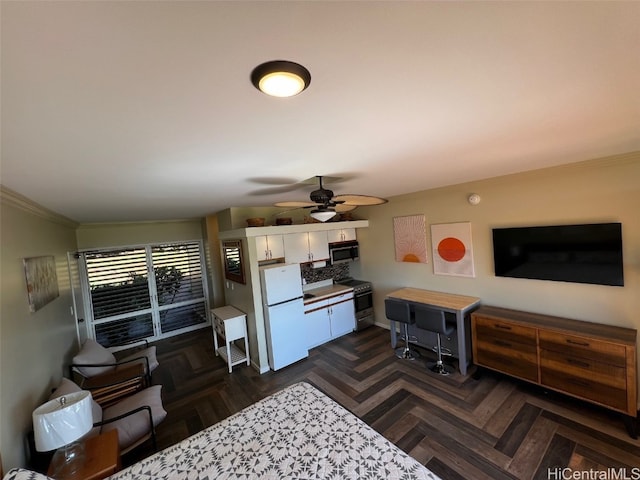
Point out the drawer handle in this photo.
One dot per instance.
(577, 363)
(502, 343)
(580, 344)
(503, 327)
(579, 383)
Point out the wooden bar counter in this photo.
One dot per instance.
(459, 305)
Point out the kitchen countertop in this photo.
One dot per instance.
(322, 293)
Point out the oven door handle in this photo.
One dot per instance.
(362, 294)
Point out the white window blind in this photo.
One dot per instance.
(145, 292)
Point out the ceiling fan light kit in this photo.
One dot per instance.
(323, 214)
(280, 78)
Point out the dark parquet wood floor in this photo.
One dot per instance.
(491, 427)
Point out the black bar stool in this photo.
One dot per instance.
(434, 321)
(400, 311)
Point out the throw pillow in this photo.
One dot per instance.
(134, 427)
(92, 353)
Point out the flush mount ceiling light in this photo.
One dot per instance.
(280, 78)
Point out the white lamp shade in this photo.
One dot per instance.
(323, 215)
(62, 421)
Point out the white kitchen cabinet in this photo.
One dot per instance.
(306, 247)
(317, 323)
(296, 247)
(329, 319)
(318, 246)
(342, 315)
(270, 247)
(342, 235)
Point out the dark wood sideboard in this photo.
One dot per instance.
(589, 361)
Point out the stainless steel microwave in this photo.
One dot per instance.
(342, 252)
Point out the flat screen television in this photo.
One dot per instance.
(589, 253)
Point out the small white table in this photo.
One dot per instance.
(231, 324)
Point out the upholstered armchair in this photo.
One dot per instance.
(93, 359)
(96, 369)
(135, 417)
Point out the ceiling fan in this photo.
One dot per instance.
(326, 205)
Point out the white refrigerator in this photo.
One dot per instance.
(283, 314)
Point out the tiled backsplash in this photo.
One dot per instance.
(337, 272)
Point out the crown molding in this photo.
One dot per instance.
(14, 199)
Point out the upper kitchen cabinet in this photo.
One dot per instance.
(306, 247)
(270, 247)
(342, 235)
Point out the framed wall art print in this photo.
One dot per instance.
(42, 281)
(410, 237)
(452, 249)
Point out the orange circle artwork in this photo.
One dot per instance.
(411, 257)
(451, 249)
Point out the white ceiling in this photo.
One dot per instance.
(143, 110)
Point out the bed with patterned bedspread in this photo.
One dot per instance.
(296, 433)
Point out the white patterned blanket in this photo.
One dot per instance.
(297, 433)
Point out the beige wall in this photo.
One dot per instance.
(214, 262)
(104, 235)
(33, 346)
(606, 190)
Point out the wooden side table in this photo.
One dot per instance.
(102, 457)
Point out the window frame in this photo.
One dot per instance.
(157, 309)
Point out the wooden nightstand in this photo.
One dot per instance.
(102, 457)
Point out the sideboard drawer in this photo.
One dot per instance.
(513, 358)
(510, 332)
(505, 347)
(586, 368)
(587, 388)
(576, 346)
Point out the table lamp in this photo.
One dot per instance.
(59, 424)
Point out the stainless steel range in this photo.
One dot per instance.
(363, 301)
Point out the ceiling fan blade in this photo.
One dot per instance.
(327, 180)
(359, 200)
(281, 181)
(295, 204)
(282, 212)
(276, 190)
(342, 208)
